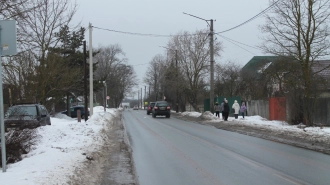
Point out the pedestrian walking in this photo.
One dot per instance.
(226, 110)
(217, 109)
(243, 109)
(236, 107)
(222, 108)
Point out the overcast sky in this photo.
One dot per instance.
(165, 17)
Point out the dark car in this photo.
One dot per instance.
(73, 111)
(150, 106)
(161, 108)
(26, 116)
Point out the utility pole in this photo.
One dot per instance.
(177, 87)
(145, 94)
(85, 81)
(138, 98)
(90, 71)
(211, 62)
(141, 99)
(212, 68)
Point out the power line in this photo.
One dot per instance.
(158, 35)
(251, 19)
(239, 46)
(131, 33)
(228, 39)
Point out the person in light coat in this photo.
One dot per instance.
(236, 107)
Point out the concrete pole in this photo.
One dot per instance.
(212, 68)
(90, 71)
(3, 138)
(85, 82)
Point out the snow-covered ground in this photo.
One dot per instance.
(65, 144)
(258, 121)
(61, 148)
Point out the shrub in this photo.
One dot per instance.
(18, 142)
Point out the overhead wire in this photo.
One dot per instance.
(251, 19)
(131, 33)
(229, 39)
(218, 33)
(239, 46)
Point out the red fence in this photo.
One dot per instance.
(277, 109)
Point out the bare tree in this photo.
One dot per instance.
(299, 29)
(194, 63)
(37, 28)
(15, 9)
(112, 67)
(154, 76)
(227, 79)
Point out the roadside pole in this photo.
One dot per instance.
(8, 47)
(3, 138)
(90, 71)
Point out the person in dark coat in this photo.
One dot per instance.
(217, 109)
(226, 110)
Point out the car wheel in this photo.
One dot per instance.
(83, 116)
(148, 113)
(168, 116)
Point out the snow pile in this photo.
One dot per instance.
(64, 145)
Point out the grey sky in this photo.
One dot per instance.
(165, 17)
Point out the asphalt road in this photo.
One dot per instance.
(173, 151)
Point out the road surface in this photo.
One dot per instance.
(173, 151)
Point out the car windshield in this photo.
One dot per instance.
(162, 104)
(21, 111)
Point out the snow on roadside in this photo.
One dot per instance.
(257, 121)
(61, 149)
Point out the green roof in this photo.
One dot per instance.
(257, 62)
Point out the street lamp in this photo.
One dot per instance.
(176, 73)
(212, 61)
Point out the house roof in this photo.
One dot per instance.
(258, 64)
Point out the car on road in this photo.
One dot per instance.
(74, 109)
(23, 116)
(135, 107)
(150, 106)
(161, 108)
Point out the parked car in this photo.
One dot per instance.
(161, 108)
(150, 106)
(23, 116)
(74, 109)
(135, 107)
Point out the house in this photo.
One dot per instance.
(276, 69)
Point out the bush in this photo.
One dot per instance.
(17, 143)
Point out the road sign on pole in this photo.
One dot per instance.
(7, 48)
